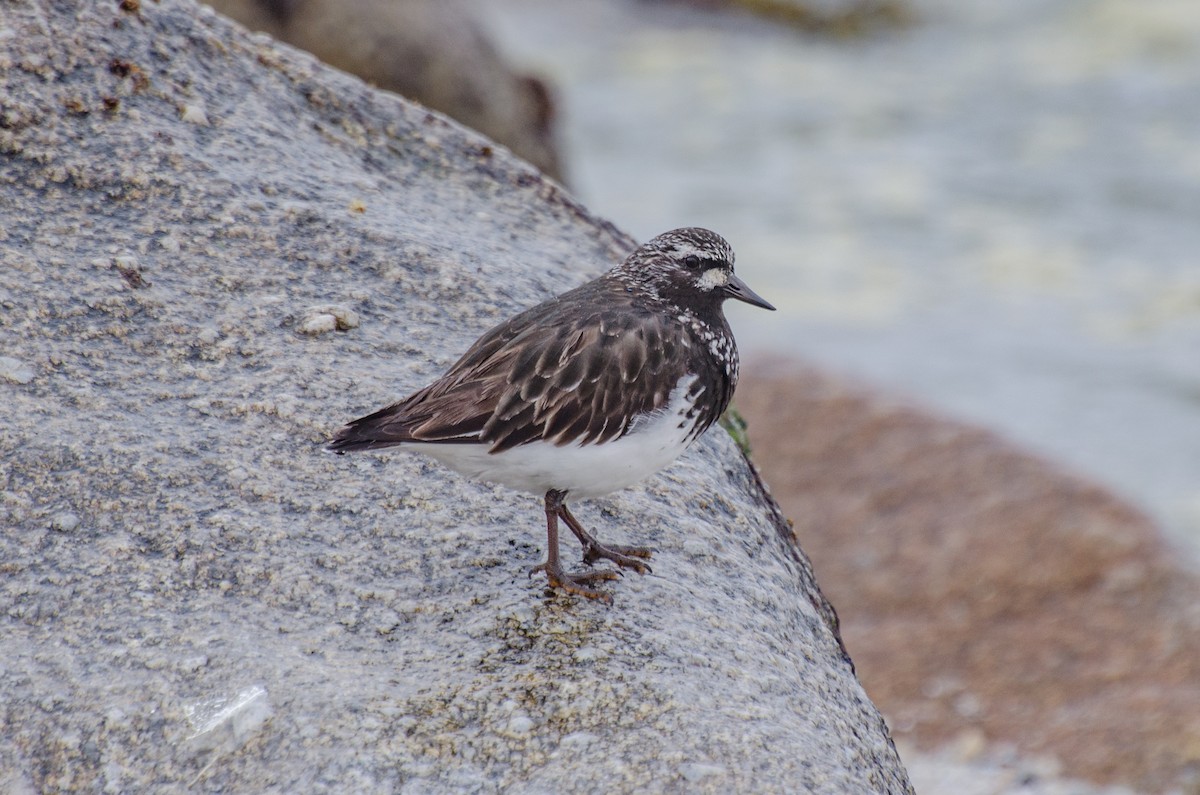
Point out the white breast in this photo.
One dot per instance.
(591, 470)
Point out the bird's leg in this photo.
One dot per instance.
(593, 550)
(571, 583)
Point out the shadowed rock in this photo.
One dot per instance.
(432, 51)
(214, 250)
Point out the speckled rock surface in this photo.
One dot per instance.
(212, 252)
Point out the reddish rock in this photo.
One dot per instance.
(982, 589)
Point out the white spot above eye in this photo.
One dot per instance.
(712, 278)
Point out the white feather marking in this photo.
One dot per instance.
(712, 279)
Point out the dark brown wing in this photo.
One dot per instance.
(561, 371)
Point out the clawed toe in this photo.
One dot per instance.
(580, 577)
(577, 583)
(593, 550)
(625, 557)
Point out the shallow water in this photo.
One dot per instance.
(995, 210)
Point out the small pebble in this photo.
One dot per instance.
(65, 522)
(520, 724)
(190, 665)
(320, 323)
(195, 114)
(323, 319)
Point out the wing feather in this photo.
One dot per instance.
(535, 377)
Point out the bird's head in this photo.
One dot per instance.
(691, 266)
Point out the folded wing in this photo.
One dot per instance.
(537, 377)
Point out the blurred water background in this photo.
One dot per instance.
(994, 210)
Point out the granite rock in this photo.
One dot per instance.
(214, 250)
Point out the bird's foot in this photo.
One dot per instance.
(577, 583)
(625, 557)
(593, 550)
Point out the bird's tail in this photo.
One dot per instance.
(372, 432)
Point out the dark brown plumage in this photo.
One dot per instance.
(575, 370)
(642, 356)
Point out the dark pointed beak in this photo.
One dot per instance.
(736, 288)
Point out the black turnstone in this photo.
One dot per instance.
(586, 393)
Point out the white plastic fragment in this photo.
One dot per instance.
(15, 370)
(228, 721)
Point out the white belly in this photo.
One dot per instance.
(582, 470)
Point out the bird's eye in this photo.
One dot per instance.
(692, 261)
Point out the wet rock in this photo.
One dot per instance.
(987, 596)
(234, 609)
